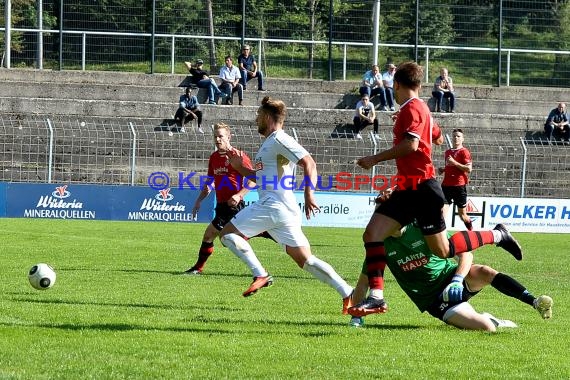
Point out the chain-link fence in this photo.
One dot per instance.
(504, 163)
(481, 41)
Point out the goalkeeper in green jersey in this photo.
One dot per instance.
(442, 287)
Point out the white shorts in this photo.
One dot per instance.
(282, 223)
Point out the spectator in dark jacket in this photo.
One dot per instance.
(188, 109)
(201, 79)
(248, 68)
(556, 125)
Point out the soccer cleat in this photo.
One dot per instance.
(212, 103)
(500, 322)
(193, 271)
(258, 283)
(392, 109)
(508, 242)
(356, 322)
(469, 225)
(368, 306)
(358, 136)
(200, 130)
(544, 306)
(347, 303)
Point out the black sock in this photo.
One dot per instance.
(512, 288)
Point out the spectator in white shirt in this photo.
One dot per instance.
(230, 76)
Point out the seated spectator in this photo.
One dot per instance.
(364, 115)
(557, 124)
(372, 86)
(443, 88)
(388, 82)
(188, 109)
(248, 68)
(230, 76)
(202, 80)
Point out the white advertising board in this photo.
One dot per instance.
(518, 214)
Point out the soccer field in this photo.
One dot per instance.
(120, 309)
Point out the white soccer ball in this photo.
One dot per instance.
(41, 276)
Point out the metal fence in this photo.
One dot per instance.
(481, 41)
(74, 151)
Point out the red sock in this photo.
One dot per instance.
(375, 264)
(465, 241)
(206, 250)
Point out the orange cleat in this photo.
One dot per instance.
(258, 283)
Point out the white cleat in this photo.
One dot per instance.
(544, 306)
(503, 323)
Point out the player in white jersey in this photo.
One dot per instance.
(277, 211)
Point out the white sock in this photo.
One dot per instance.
(241, 248)
(497, 236)
(325, 273)
(376, 293)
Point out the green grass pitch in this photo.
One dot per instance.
(120, 309)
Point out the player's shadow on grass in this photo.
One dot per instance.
(209, 331)
(181, 273)
(129, 305)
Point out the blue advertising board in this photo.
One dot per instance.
(2, 200)
(72, 201)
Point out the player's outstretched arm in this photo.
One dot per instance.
(453, 292)
(237, 161)
(310, 171)
(405, 147)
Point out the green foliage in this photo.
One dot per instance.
(121, 309)
(22, 11)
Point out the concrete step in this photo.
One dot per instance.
(110, 109)
(144, 93)
(40, 77)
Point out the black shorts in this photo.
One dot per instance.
(423, 205)
(455, 194)
(438, 308)
(225, 213)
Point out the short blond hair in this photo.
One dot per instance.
(222, 126)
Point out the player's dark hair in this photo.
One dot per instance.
(274, 108)
(457, 130)
(409, 74)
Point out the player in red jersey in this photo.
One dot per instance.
(418, 195)
(229, 192)
(457, 166)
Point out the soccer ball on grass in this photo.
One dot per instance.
(41, 276)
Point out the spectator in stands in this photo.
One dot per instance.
(455, 177)
(230, 76)
(388, 82)
(443, 88)
(201, 79)
(188, 109)
(372, 86)
(364, 115)
(557, 124)
(248, 68)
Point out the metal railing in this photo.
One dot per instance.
(175, 38)
(505, 163)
